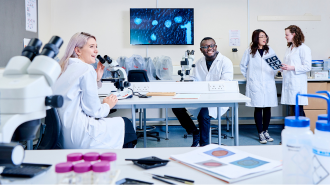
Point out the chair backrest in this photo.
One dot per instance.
(52, 130)
(137, 76)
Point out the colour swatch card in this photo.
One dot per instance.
(226, 161)
(273, 62)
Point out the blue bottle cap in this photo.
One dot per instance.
(322, 117)
(323, 125)
(291, 121)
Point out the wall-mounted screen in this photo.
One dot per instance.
(162, 26)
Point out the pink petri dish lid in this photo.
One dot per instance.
(91, 156)
(74, 157)
(64, 167)
(82, 167)
(102, 166)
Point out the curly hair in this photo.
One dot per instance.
(298, 38)
(255, 42)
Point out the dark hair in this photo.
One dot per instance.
(298, 38)
(255, 42)
(207, 38)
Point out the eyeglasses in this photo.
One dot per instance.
(263, 37)
(209, 46)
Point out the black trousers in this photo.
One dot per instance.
(130, 138)
(262, 118)
(293, 110)
(204, 121)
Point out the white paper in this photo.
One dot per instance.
(186, 96)
(234, 38)
(274, 62)
(201, 156)
(31, 15)
(25, 42)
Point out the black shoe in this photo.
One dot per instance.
(196, 138)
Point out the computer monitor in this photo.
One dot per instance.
(137, 76)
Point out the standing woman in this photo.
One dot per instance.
(260, 85)
(297, 61)
(83, 117)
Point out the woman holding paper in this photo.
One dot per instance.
(297, 61)
(260, 82)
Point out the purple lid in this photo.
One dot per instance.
(102, 166)
(82, 167)
(64, 167)
(74, 157)
(91, 156)
(110, 156)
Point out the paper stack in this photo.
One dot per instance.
(227, 163)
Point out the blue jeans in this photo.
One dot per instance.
(204, 121)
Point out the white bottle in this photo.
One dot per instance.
(297, 151)
(321, 150)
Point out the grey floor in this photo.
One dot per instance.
(247, 136)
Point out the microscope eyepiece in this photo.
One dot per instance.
(51, 49)
(192, 52)
(32, 49)
(100, 59)
(108, 59)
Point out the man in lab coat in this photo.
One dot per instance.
(212, 67)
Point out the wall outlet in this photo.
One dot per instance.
(216, 87)
(141, 88)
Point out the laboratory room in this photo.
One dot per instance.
(164, 92)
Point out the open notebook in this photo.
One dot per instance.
(227, 163)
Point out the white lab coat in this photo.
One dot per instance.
(221, 69)
(80, 129)
(296, 81)
(260, 82)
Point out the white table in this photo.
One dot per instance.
(128, 170)
(205, 100)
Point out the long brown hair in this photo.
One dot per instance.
(255, 42)
(298, 38)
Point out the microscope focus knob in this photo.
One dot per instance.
(193, 65)
(127, 84)
(179, 72)
(187, 72)
(55, 101)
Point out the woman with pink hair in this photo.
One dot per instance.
(83, 117)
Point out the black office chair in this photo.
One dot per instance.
(51, 131)
(141, 76)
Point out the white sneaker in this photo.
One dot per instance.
(267, 136)
(262, 138)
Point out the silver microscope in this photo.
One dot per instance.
(25, 95)
(119, 77)
(187, 64)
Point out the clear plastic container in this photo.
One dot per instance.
(112, 158)
(74, 157)
(64, 173)
(321, 149)
(83, 173)
(101, 173)
(297, 151)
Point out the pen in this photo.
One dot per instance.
(178, 178)
(157, 178)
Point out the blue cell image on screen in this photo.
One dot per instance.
(162, 26)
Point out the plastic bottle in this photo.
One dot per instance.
(101, 173)
(321, 150)
(74, 157)
(112, 158)
(83, 173)
(297, 149)
(64, 173)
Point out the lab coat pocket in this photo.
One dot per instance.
(96, 129)
(294, 85)
(253, 86)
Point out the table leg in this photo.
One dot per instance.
(236, 125)
(232, 122)
(219, 125)
(144, 128)
(166, 115)
(133, 117)
(140, 119)
(227, 115)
